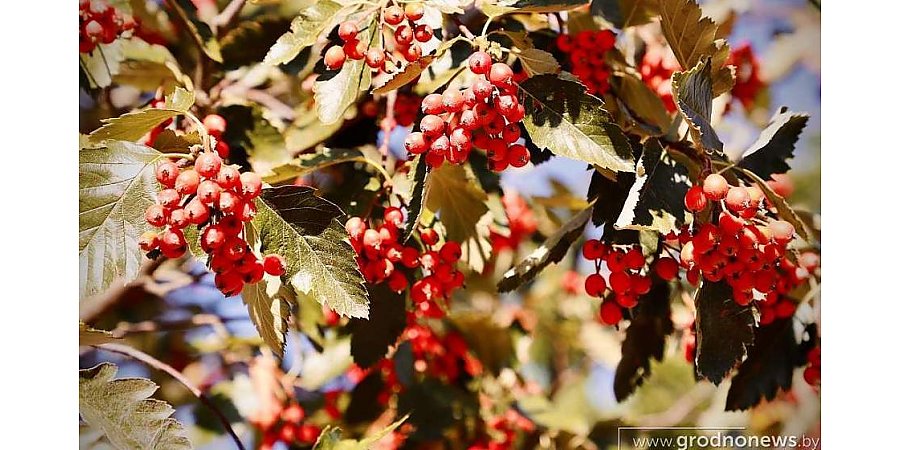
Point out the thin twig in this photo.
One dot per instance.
(150, 326)
(229, 14)
(159, 365)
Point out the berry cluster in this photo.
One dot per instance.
(740, 248)
(382, 258)
(503, 429)
(407, 36)
(290, 429)
(100, 23)
(444, 357)
(585, 51)
(813, 371)
(629, 278)
(485, 115)
(522, 223)
(747, 83)
(656, 72)
(218, 199)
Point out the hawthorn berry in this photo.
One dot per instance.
(715, 187)
(335, 57)
(695, 200)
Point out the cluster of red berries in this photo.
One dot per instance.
(218, 199)
(585, 51)
(522, 223)
(290, 429)
(100, 23)
(215, 125)
(407, 39)
(445, 357)
(628, 279)
(747, 83)
(503, 429)
(382, 258)
(406, 108)
(740, 248)
(656, 72)
(813, 371)
(485, 116)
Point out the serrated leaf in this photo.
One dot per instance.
(781, 205)
(692, 36)
(418, 180)
(454, 193)
(91, 336)
(330, 439)
(645, 339)
(656, 199)
(305, 30)
(123, 410)
(117, 183)
(170, 142)
(312, 162)
(642, 103)
(693, 94)
(303, 228)
(267, 303)
(769, 366)
(724, 331)
(250, 40)
(775, 144)
(564, 118)
(132, 126)
(538, 62)
(626, 13)
(371, 338)
(334, 95)
(551, 251)
(199, 30)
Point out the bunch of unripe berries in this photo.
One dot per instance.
(100, 23)
(585, 51)
(407, 39)
(629, 278)
(485, 115)
(383, 258)
(747, 251)
(219, 200)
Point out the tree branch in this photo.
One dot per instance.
(229, 14)
(159, 365)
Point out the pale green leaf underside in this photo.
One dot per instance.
(305, 29)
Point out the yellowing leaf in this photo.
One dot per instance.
(454, 193)
(692, 36)
(305, 29)
(132, 126)
(537, 62)
(268, 307)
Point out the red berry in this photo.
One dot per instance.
(634, 259)
(666, 268)
(167, 173)
(782, 231)
(501, 75)
(215, 124)
(208, 192)
(432, 125)
(393, 216)
(482, 89)
(415, 143)
(348, 31)
(335, 57)
(375, 58)
(433, 104)
(187, 182)
(251, 185)
(453, 101)
(172, 244)
(354, 49)
(737, 199)
(694, 200)
(94, 29)
(229, 177)
(196, 211)
(274, 265)
(149, 240)
(619, 282)
(429, 236)
(229, 283)
(423, 33)
(403, 35)
(168, 198)
(412, 53)
(397, 282)
(610, 312)
(212, 237)
(593, 249)
(518, 155)
(229, 202)
(155, 215)
(393, 15)
(451, 252)
(414, 11)
(594, 285)
(715, 187)
(480, 63)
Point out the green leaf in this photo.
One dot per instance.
(305, 30)
(170, 142)
(502, 7)
(311, 162)
(124, 412)
(457, 196)
(265, 145)
(693, 95)
(307, 131)
(781, 206)
(656, 199)
(724, 331)
(132, 126)
(551, 251)
(148, 67)
(330, 439)
(538, 62)
(103, 63)
(249, 41)
(626, 13)
(692, 36)
(372, 337)
(769, 366)
(563, 118)
(267, 303)
(418, 181)
(775, 144)
(91, 336)
(335, 94)
(303, 228)
(117, 183)
(199, 30)
(642, 103)
(645, 339)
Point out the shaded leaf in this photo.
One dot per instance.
(724, 331)
(170, 142)
(305, 30)
(103, 63)
(645, 339)
(775, 144)
(488, 341)
(268, 307)
(769, 366)
(692, 91)
(626, 13)
(609, 196)
(123, 410)
(457, 196)
(781, 205)
(430, 406)
(551, 251)
(563, 118)
(418, 178)
(249, 41)
(656, 199)
(642, 103)
(148, 67)
(303, 228)
(200, 30)
(371, 338)
(132, 126)
(117, 183)
(307, 131)
(311, 162)
(538, 62)
(364, 405)
(91, 336)
(692, 36)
